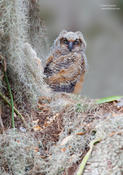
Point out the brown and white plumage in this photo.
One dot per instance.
(67, 63)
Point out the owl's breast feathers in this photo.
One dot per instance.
(65, 73)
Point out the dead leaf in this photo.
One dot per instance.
(112, 134)
(66, 140)
(63, 149)
(80, 133)
(36, 149)
(37, 128)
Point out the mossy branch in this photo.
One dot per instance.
(17, 112)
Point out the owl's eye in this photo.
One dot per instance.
(65, 41)
(76, 42)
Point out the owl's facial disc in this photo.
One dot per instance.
(70, 44)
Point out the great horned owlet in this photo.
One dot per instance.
(67, 63)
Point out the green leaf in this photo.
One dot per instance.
(108, 99)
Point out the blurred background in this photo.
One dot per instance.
(101, 22)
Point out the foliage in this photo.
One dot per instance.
(108, 99)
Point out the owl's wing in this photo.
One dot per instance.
(66, 71)
(65, 62)
(47, 69)
(54, 65)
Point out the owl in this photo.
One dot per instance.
(66, 66)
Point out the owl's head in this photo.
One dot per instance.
(70, 42)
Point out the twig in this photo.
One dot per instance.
(17, 112)
(11, 97)
(9, 89)
(86, 157)
(5, 98)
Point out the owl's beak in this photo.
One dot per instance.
(70, 46)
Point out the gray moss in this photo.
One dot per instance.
(15, 30)
(107, 156)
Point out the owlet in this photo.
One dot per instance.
(67, 63)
